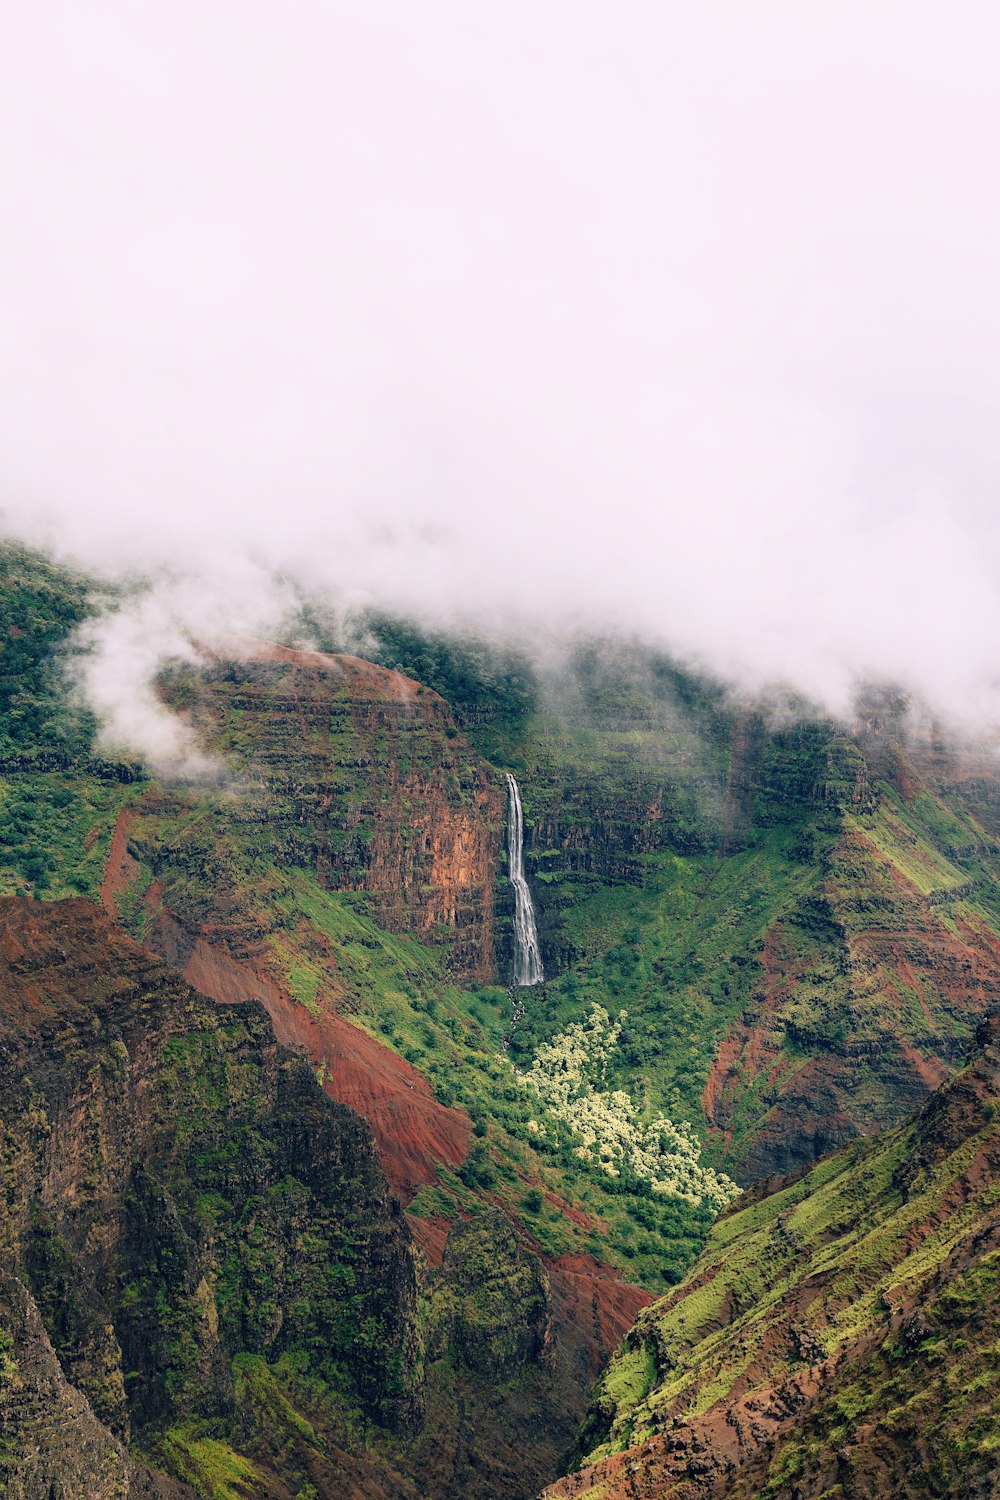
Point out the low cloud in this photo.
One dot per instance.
(677, 320)
(160, 622)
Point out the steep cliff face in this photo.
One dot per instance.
(364, 779)
(801, 925)
(838, 1335)
(415, 1133)
(181, 1205)
(51, 1442)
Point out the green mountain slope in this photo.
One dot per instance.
(790, 929)
(838, 1337)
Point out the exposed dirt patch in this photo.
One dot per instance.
(121, 869)
(431, 1235)
(592, 1307)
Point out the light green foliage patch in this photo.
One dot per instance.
(214, 1468)
(568, 1077)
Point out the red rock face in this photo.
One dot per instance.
(369, 782)
(592, 1308)
(121, 868)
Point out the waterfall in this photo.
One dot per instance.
(527, 954)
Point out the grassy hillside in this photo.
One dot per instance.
(837, 1337)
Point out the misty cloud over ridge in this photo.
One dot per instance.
(670, 319)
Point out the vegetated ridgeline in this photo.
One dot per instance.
(838, 1336)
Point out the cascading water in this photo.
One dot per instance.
(527, 953)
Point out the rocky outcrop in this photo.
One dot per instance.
(414, 1132)
(179, 1195)
(511, 1341)
(495, 1303)
(363, 777)
(51, 1443)
(837, 1336)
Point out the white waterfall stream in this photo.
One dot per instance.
(527, 953)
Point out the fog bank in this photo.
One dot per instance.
(670, 319)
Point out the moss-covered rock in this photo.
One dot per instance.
(178, 1192)
(490, 1300)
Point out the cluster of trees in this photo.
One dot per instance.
(39, 609)
(568, 1079)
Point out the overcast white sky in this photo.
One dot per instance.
(684, 316)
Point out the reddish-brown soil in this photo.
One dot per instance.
(592, 1308)
(121, 869)
(431, 1235)
(366, 680)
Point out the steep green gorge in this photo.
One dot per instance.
(766, 935)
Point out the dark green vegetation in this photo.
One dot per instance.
(39, 607)
(837, 1338)
(184, 1207)
(491, 690)
(58, 800)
